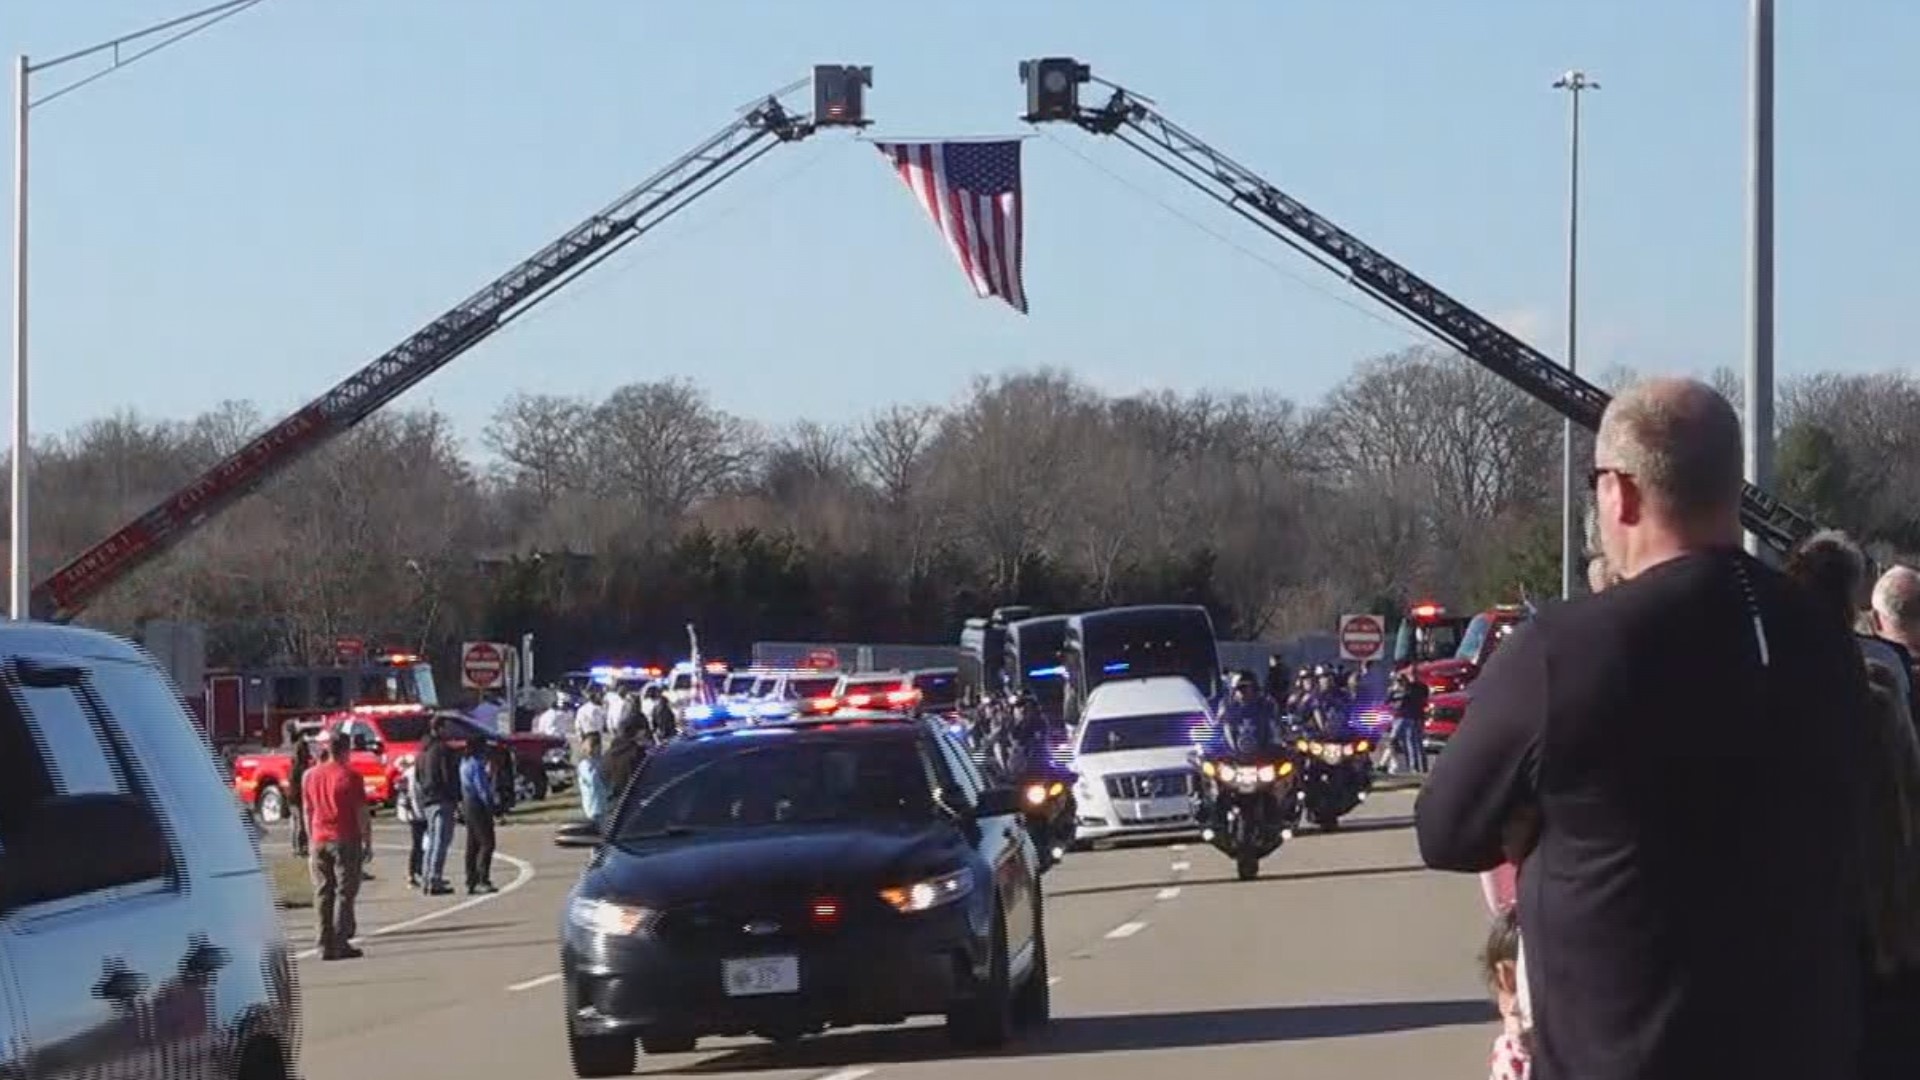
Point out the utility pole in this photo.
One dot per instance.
(1758, 426)
(1571, 534)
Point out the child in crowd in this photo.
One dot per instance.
(1513, 1048)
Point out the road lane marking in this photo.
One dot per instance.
(1054, 980)
(1166, 894)
(1178, 847)
(846, 1074)
(1182, 867)
(531, 983)
(1126, 930)
(522, 873)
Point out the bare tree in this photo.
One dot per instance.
(541, 441)
(890, 450)
(664, 446)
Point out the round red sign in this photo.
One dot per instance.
(1362, 636)
(483, 664)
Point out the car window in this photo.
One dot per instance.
(290, 692)
(962, 779)
(71, 742)
(783, 783)
(181, 762)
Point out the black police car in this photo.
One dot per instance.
(781, 879)
(138, 935)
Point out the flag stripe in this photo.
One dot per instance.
(972, 193)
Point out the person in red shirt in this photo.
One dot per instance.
(334, 799)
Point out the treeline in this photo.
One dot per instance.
(604, 526)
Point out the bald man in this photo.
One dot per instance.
(1682, 918)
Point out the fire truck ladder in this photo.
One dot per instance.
(1052, 95)
(760, 128)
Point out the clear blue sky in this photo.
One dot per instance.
(258, 211)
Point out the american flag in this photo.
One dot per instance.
(972, 192)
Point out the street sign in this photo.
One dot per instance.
(823, 659)
(483, 665)
(349, 650)
(1362, 637)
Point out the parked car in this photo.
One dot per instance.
(138, 931)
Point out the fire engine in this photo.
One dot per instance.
(253, 705)
(1426, 633)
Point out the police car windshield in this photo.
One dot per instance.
(778, 780)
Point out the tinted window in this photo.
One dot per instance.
(1143, 732)
(940, 691)
(403, 729)
(738, 684)
(966, 778)
(182, 764)
(807, 686)
(290, 692)
(331, 691)
(779, 782)
(71, 742)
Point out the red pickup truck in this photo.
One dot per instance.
(385, 740)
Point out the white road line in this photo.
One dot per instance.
(1126, 930)
(1182, 867)
(531, 983)
(1166, 894)
(846, 1074)
(1178, 847)
(522, 873)
(1054, 980)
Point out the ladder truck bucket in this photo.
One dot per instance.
(1053, 87)
(839, 98)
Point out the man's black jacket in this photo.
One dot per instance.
(437, 770)
(1692, 741)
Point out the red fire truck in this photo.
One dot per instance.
(251, 706)
(1426, 633)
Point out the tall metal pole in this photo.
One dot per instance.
(18, 540)
(1571, 534)
(1759, 403)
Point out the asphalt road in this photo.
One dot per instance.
(1345, 954)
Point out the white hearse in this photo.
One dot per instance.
(1133, 753)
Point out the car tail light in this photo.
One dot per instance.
(858, 701)
(903, 697)
(823, 704)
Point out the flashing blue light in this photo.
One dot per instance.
(1116, 666)
(760, 731)
(702, 712)
(1055, 672)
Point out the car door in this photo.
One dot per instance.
(1003, 843)
(93, 968)
(13, 1035)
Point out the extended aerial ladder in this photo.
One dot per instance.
(838, 102)
(1053, 87)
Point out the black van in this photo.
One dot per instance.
(138, 934)
(1035, 660)
(1140, 642)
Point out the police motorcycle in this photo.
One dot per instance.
(1336, 760)
(1029, 753)
(1247, 794)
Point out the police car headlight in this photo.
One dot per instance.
(607, 917)
(932, 893)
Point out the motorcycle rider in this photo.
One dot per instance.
(1249, 730)
(1331, 705)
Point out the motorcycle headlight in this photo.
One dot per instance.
(1036, 794)
(607, 917)
(930, 893)
(1056, 790)
(1266, 774)
(555, 756)
(1362, 746)
(1227, 773)
(1285, 769)
(1207, 768)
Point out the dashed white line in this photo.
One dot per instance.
(531, 983)
(522, 873)
(1178, 847)
(1054, 980)
(1126, 930)
(846, 1074)
(1166, 894)
(1182, 867)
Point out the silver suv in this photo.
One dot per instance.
(138, 935)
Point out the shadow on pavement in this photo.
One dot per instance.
(1360, 825)
(1074, 1035)
(1265, 876)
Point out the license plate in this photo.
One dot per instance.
(761, 975)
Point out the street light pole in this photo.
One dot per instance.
(21, 581)
(1759, 404)
(1571, 534)
(19, 561)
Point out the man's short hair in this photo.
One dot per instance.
(1680, 441)
(339, 742)
(1896, 596)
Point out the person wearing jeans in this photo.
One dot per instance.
(438, 770)
(336, 805)
(478, 798)
(410, 811)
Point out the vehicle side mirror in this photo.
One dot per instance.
(69, 845)
(584, 833)
(363, 743)
(997, 802)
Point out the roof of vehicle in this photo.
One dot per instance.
(917, 672)
(873, 676)
(867, 726)
(22, 638)
(1144, 697)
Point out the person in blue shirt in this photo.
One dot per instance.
(593, 793)
(478, 800)
(1249, 720)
